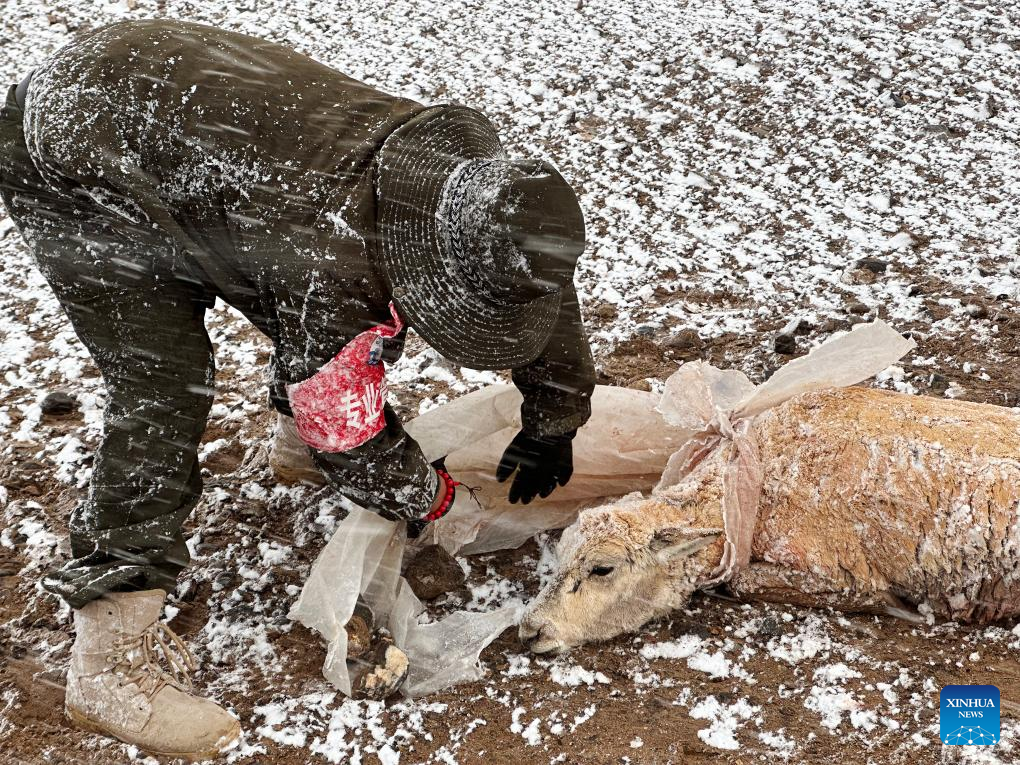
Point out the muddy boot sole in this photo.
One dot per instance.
(297, 476)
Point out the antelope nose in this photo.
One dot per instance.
(528, 633)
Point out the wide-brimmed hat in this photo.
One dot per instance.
(477, 248)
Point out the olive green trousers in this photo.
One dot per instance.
(142, 322)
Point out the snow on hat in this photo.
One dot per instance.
(476, 248)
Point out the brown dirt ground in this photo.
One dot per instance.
(28, 623)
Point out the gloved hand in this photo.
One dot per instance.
(443, 502)
(541, 462)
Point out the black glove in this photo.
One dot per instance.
(541, 462)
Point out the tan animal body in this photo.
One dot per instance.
(871, 501)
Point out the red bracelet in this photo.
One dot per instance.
(447, 503)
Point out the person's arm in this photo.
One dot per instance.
(388, 473)
(557, 388)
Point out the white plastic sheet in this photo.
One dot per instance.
(727, 403)
(634, 441)
(623, 448)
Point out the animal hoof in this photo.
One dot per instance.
(359, 632)
(381, 674)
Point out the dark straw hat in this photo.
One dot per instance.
(476, 247)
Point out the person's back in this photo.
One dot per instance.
(254, 152)
(156, 166)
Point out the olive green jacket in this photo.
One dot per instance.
(256, 164)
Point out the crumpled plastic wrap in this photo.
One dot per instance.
(634, 442)
(623, 448)
(363, 558)
(725, 404)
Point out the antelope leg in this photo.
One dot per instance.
(772, 583)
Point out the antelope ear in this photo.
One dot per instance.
(682, 541)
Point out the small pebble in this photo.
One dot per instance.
(687, 344)
(690, 627)
(769, 628)
(858, 275)
(977, 311)
(55, 677)
(785, 344)
(874, 265)
(833, 325)
(58, 402)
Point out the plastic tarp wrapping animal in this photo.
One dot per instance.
(624, 448)
(635, 442)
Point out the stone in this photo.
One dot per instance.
(54, 677)
(58, 402)
(857, 275)
(938, 382)
(686, 344)
(977, 311)
(785, 344)
(645, 330)
(768, 629)
(833, 325)
(223, 581)
(690, 627)
(874, 265)
(858, 309)
(434, 572)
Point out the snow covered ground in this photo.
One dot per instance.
(747, 169)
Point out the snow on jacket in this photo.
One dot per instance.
(257, 164)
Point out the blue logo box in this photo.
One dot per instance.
(969, 715)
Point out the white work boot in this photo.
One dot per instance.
(290, 459)
(116, 687)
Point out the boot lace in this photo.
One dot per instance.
(140, 660)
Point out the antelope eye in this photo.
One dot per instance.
(602, 570)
